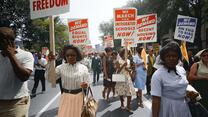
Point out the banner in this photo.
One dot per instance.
(184, 51)
(128, 42)
(43, 8)
(108, 41)
(146, 30)
(185, 28)
(125, 23)
(78, 31)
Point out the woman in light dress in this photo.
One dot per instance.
(169, 84)
(141, 75)
(74, 77)
(124, 88)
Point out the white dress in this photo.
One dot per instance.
(172, 90)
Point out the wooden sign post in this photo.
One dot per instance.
(39, 9)
(52, 72)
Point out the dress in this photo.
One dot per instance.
(125, 88)
(172, 90)
(141, 74)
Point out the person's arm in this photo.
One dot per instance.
(193, 73)
(120, 67)
(156, 92)
(105, 68)
(86, 78)
(20, 70)
(155, 106)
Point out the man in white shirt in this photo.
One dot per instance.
(16, 65)
(39, 74)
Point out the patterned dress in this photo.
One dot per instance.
(125, 88)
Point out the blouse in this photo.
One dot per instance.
(72, 75)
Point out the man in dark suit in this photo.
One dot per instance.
(96, 67)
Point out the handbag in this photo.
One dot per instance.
(118, 78)
(90, 105)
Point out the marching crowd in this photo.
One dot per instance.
(164, 76)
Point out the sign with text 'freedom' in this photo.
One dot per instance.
(185, 28)
(43, 8)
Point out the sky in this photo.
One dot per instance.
(96, 11)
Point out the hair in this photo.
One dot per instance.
(4, 22)
(108, 49)
(206, 50)
(7, 33)
(166, 41)
(171, 46)
(139, 50)
(67, 47)
(114, 53)
(122, 53)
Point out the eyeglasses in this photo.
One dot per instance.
(205, 55)
(71, 55)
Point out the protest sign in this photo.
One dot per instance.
(108, 41)
(125, 23)
(78, 31)
(43, 8)
(185, 28)
(128, 42)
(146, 28)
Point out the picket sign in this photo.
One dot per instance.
(39, 9)
(52, 72)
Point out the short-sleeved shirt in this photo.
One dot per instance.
(165, 83)
(72, 75)
(11, 87)
(43, 62)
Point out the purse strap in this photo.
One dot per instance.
(87, 93)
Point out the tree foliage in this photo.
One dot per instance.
(167, 11)
(34, 33)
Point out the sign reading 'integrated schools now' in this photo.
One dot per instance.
(125, 23)
(146, 28)
(78, 31)
(43, 8)
(185, 28)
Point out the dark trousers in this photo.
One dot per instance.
(96, 73)
(148, 84)
(39, 75)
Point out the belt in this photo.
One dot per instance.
(74, 91)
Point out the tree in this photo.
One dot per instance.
(32, 32)
(167, 11)
(106, 28)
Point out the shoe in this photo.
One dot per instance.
(33, 95)
(141, 105)
(103, 94)
(129, 110)
(42, 92)
(122, 107)
(108, 100)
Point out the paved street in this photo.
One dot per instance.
(46, 105)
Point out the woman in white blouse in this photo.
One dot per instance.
(169, 84)
(74, 75)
